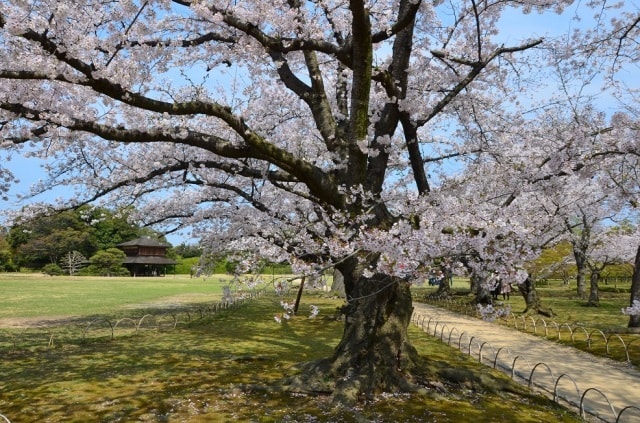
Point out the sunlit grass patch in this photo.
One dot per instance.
(29, 296)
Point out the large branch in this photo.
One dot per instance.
(280, 44)
(256, 147)
(406, 18)
(395, 81)
(475, 68)
(362, 53)
(319, 183)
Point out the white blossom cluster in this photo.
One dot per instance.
(490, 313)
(633, 310)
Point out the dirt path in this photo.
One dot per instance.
(577, 377)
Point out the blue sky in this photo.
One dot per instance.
(29, 171)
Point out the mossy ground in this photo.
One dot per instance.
(202, 371)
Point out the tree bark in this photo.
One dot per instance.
(482, 293)
(581, 265)
(337, 287)
(473, 283)
(374, 354)
(580, 247)
(594, 298)
(634, 321)
(533, 303)
(444, 289)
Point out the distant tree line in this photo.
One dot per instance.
(83, 242)
(74, 241)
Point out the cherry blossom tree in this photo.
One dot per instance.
(614, 44)
(583, 208)
(617, 247)
(320, 132)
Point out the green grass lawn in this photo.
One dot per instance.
(223, 367)
(36, 295)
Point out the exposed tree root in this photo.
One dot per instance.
(429, 378)
(540, 310)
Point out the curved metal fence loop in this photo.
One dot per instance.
(596, 331)
(633, 341)
(556, 396)
(628, 408)
(481, 348)
(123, 322)
(93, 324)
(585, 332)
(429, 323)
(533, 371)
(460, 340)
(451, 334)
(149, 320)
(513, 366)
(568, 326)
(495, 358)
(619, 338)
(584, 395)
(435, 328)
(442, 328)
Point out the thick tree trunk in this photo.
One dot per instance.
(375, 350)
(581, 276)
(444, 289)
(580, 247)
(634, 321)
(533, 303)
(594, 297)
(374, 354)
(337, 287)
(483, 294)
(473, 283)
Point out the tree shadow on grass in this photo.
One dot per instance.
(199, 372)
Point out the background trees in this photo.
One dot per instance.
(6, 262)
(47, 239)
(72, 262)
(51, 237)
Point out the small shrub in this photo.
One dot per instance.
(10, 267)
(52, 269)
(93, 270)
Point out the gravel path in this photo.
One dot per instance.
(604, 388)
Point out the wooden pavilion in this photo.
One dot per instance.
(146, 257)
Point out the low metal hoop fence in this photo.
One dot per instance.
(623, 347)
(538, 376)
(109, 328)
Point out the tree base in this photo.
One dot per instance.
(327, 377)
(542, 311)
(427, 378)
